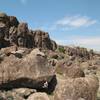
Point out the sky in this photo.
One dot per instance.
(68, 22)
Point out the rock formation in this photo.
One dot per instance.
(34, 67)
(12, 32)
(31, 71)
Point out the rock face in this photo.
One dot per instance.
(42, 40)
(3, 30)
(77, 89)
(79, 52)
(14, 33)
(31, 71)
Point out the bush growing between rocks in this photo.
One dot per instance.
(61, 49)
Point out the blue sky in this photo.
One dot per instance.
(69, 22)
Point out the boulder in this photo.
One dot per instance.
(8, 50)
(32, 71)
(24, 92)
(68, 69)
(38, 96)
(77, 89)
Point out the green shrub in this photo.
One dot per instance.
(61, 49)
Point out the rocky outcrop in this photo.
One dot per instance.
(16, 33)
(32, 71)
(42, 40)
(4, 24)
(27, 73)
(79, 52)
(13, 21)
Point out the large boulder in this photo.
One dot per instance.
(76, 88)
(38, 96)
(68, 69)
(32, 71)
(24, 92)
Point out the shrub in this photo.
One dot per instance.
(61, 49)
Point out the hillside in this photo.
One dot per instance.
(35, 67)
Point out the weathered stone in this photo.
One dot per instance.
(66, 69)
(77, 89)
(19, 34)
(3, 17)
(13, 35)
(38, 96)
(13, 21)
(78, 52)
(42, 40)
(22, 30)
(8, 50)
(32, 71)
(24, 92)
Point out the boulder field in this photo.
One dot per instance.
(34, 67)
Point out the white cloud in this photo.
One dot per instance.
(88, 42)
(75, 22)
